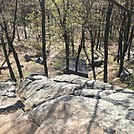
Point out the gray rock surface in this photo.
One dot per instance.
(82, 65)
(13, 120)
(70, 104)
(97, 62)
(38, 60)
(8, 97)
(126, 74)
(27, 58)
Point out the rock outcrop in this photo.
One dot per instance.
(13, 120)
(70, 104)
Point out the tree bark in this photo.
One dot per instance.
(92, 53)
(126, 44)
(120, 40)
(72, 41)
(80, 48)
(130, 41)
(98, 39)
(18, 33)
(7, 60)
(10, 40)
(43, 13)
(109, 12)
(66, 39)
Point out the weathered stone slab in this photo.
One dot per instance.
(68, 104)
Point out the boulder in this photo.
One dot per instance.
(126, 74)
(69, 104)
(13, 120)
(82, 65)
(27, 58)
(35, 58)
(5, 42)
(8, 97)
(39, 60)
(97, 62)
(73, 104)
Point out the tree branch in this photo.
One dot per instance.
(121, 7)
(58, 10)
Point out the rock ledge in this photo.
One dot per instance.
(69, 104)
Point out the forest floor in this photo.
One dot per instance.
(55, 57)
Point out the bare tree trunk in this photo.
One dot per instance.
(24, 27)
(120, 40)
(7, 60)
(92, 53)
(126, 41)
(11, 40)
(49, 36)
(98, 39)
(80, 48)
(66, 39)
(18, 33)
(63, 21)
(72, 41)
(130, 41)
(109, 12)
(66, 32)
(10, 44)
(120, 46)
(43, 13)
